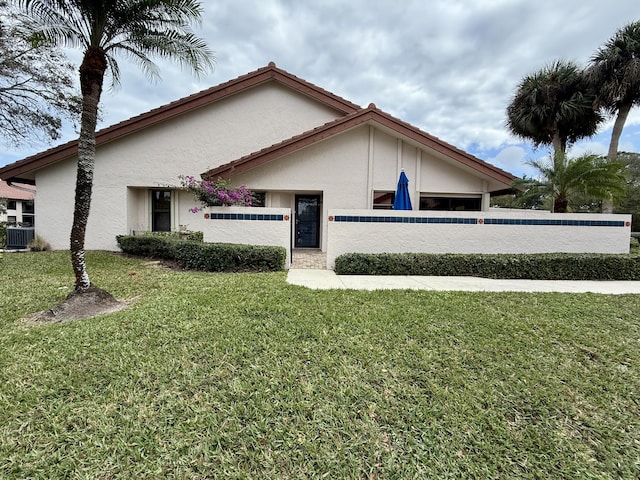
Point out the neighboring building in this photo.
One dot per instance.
(19, 202)
(297, 145)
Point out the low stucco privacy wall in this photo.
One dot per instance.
(495, 231)
(247, 226)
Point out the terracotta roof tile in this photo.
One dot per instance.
(13, 193)
(369, 114)
(179, 107)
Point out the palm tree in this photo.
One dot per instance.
(103, 29)
(554, 107)
(562, 179)
(615, 72)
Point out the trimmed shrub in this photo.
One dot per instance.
(556, 266)
(154, 246)
(193, 236)
(211, 257)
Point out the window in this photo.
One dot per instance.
(12, 220)
(27, 206)
(11, 205)
(258, 199)
(161, 210)
(28, 221)
(472, 204)
(383, 200)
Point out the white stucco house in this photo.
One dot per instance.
(303, 147)
(311, 156)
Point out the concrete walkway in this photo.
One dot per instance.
(327, 279)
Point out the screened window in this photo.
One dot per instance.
(11, 205)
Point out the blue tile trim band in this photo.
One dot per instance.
(474, 221)
(552, 222)
(246, 216)
(358, 219)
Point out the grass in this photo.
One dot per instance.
(242, 376)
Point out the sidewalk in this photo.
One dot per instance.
(327, 279)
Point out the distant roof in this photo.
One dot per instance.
(13, 193)
(371, 114)
(26, 167)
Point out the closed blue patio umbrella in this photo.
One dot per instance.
(402, 200)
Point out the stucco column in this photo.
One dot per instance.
(370, 168)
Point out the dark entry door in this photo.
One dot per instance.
(307, 221)
(161, 210)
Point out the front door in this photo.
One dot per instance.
(307, 221)
(161, 210)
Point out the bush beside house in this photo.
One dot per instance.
(555, 266)
(211, 257)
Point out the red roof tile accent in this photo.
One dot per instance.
(371, 114)
(179, 107)
(12, 193)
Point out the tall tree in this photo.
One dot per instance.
(563, 179)
(554, 107)
(615, 71)
(102, 29)
(37, 90)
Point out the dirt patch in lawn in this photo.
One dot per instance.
(80, 305)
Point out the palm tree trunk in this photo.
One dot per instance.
(91, 77)
(559, 147)
(616, 133)
(560, 204)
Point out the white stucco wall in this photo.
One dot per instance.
(479, 236)
(256, 231)
(346, 170)
(54, 203)
(190, 144)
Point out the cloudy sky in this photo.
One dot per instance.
(449, 67)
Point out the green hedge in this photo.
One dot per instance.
(522, 266)
(211, 257)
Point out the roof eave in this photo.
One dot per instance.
(370, 114)
(180, 107)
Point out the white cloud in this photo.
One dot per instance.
(447, 67)
(510, 158)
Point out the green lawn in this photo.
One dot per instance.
(244, 376)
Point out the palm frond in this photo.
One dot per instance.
(564, 177)
(139, 29)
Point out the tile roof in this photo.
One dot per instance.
(265, 74)
(353, 115)
(371, 114)
(13, 193)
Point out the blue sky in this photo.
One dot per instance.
(449, 67)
